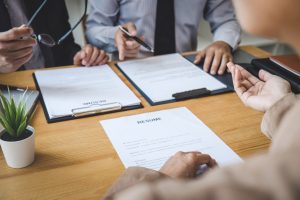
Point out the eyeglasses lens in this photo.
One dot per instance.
(46, 40)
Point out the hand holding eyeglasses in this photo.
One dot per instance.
(16, 48)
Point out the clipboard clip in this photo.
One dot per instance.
(191, 94)
(96, 109)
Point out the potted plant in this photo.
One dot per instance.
(17, 138)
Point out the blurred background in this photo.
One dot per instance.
(76, 8)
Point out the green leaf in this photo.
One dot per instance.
(8, 128)
(1, 121)
(20, 112)
(12, 111)
(23, 95)
(4, 101)
(22, 128)
(13, 116)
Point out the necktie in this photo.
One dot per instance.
(165, 28)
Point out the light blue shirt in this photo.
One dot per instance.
(106, 15)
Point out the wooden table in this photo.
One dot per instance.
(75, 159)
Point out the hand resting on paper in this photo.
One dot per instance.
(186, 164)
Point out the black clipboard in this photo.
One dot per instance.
(226, 79)
(73, 117)
(273, 68)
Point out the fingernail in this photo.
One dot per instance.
(213, 72)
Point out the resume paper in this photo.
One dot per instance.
(150, 139)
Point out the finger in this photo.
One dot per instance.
(236, 79)
(88, 50)
(207, 62)
(17, 45)
(248, 75)
(132, 50)
(264, 75)
(131, 55)
(212, 163)
(199, 57)
(17, 54)
(77, 58)
(21, 61)
(101, 57)
(95, 54)
(15, 34)
(203, 159)
(131, 28)
(224, 62)
(239, 88)
(120, 43)
(216, 63)
(104, 61)
(131, 44)
(231, 67)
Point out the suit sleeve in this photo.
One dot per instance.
(274, 175)
(101, 24)
(224, 26)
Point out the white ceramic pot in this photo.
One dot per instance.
(19, 154)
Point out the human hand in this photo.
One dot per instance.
(185, 165)
(215, 57)
(16, 48)
(90, 56)
(127, 47)
(259, 94)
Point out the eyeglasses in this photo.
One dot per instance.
(47, 39)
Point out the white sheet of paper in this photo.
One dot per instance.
(160, 77)
(149, 139)
(71, 88)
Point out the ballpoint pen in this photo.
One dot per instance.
(138, 40)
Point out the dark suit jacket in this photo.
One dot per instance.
(53, 19)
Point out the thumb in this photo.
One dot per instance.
(78, 57)
(264, 75)
(205, 159)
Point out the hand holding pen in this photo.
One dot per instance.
(127, 42)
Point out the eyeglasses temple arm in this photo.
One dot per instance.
(36, 12)
(75, 26)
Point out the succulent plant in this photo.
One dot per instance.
(13, 116)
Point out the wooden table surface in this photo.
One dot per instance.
(75, 159)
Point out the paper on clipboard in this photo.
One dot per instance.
(160, 77)
(66, 90)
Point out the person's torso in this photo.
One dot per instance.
(187, 18)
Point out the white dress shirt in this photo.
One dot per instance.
(106, 15)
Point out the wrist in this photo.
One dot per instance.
(279, 99)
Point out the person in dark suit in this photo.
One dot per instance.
(20, 51)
